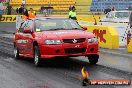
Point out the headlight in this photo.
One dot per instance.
(91, 40)
(52, 42)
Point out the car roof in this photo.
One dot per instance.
(122, 11)
(50, 17)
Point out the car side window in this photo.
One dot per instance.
(37, 26)
(109, 15)
(29, 25)
(37, 23)
(22, 27)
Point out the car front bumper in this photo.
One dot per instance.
(68, 50)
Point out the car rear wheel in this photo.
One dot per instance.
(37, 59)
(93, 59)
(16, 53)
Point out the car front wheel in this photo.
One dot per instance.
(37, 59)
(16, 53)
(93, 59)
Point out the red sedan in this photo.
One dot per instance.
(44, 38)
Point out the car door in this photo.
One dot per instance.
(28, 38)
(19, 38)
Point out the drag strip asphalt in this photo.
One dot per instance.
(55, 73)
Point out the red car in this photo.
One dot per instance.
(44, 38)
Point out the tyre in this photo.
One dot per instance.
(16, 53)
(93, 59)
(37, 59)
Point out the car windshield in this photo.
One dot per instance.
(122, 14)
(56, 24)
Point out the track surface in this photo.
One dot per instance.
(55, 73)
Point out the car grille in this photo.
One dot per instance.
(75, 50)
(80, 40)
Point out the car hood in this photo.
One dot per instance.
(115, 20)
(67, 34)
(122, 20)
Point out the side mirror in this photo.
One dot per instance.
(84, 28)
(27, 31)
